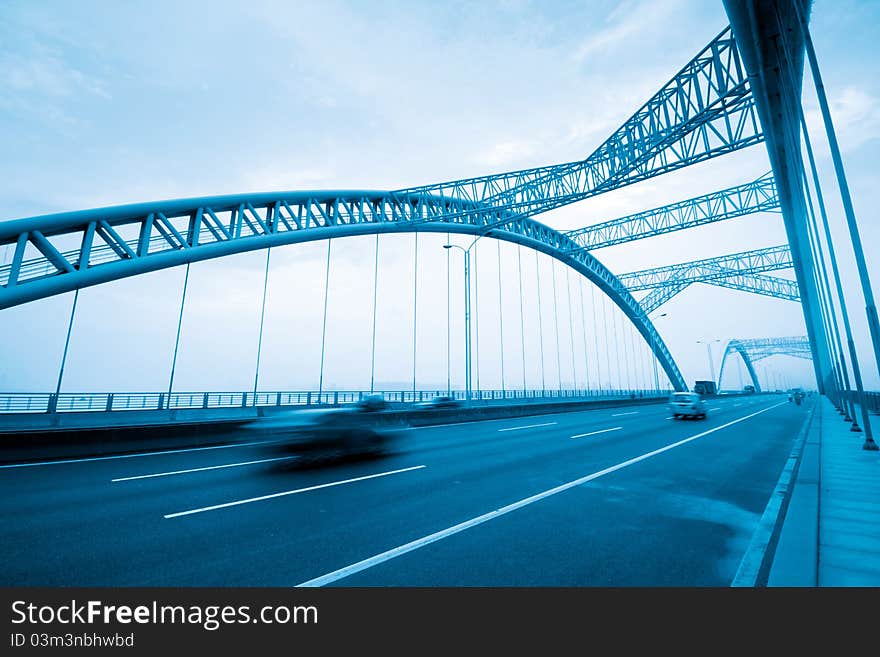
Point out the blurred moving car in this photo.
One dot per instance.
(796, 395)
(441, 401)
(687, 404)
(362, 429)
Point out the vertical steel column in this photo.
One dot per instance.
(177, 339)
(795, 116)
(262, 318)
(864, 278)
(870, 308)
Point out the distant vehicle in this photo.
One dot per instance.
(687, 404)
(705, 388)
(441, 401)
(796, 395)
(362, 429)
(748, 389)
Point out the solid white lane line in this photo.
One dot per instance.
(290, 492)
(593, 433)
(529, 426)
(336, 575)
(629, 413)
(131, 456)
(717, 408)
(209, 467)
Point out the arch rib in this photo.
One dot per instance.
(173, 233)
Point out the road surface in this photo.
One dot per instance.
(607, 497)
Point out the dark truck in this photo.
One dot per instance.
(705, 388)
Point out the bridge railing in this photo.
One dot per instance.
(872, 400)
(72, 402)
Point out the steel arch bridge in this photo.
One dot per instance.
(751, 351)
(706, 110)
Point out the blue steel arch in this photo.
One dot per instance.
(177, 232)
(754, 350)
(739, 347)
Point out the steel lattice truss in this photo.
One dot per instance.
(751, 351)
(737, 271)
(706, 110)
(709, 269)
(757, 196)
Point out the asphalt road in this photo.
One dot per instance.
(607, 497)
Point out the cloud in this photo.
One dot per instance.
(628, 20)
(855, 115)
(506, 153)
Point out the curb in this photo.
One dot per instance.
(754, 568)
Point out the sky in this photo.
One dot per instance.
(104, 103)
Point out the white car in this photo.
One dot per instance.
(687, 404)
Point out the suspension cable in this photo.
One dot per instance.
(596, 337)
(584, 333)
(415, 306)
(477, 324)
(570, 329)
(556, 324)
(66, 345)
(324, 322)
(262, 318)
(448, 320)
(500, 317)
(540, 324)
(522, 324)
(373, 338)
(177, 339)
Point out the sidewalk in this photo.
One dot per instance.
(830, 531)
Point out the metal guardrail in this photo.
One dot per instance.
(872, 400)
(70, 402)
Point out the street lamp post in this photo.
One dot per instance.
(467, 314)
(709, 352)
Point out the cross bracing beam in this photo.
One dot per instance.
(753, 350)
(771, 286)
(171, 233)
(756, 196)
(704, 111)
(710, 269)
